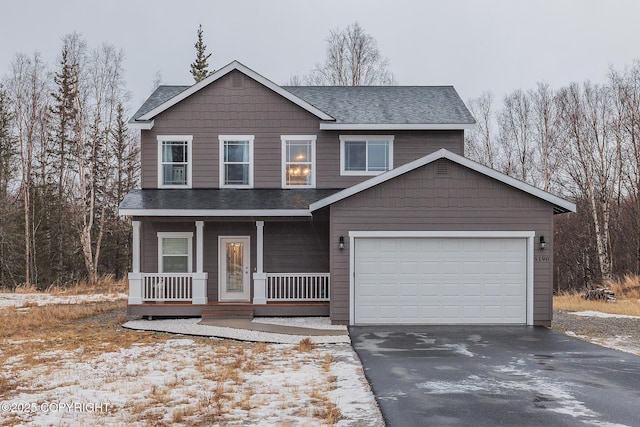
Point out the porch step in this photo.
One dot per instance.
(228, 311)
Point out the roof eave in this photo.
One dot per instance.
(142, 125)
(397, 126)
(216, 212)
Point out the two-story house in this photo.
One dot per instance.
(350, 202)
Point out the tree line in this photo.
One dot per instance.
(582, 142)
(66, 161)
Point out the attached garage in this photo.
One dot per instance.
(442, 240)
(441, 278)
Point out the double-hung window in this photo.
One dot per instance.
(236, 161)
(298, 161)
(174, 161)
(174, 252)
(365, 155)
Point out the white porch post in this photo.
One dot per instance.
(135, 277)
(200, 277)
(260, 277)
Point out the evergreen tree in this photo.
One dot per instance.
(9, 212)
(64, 116)
(199, 68)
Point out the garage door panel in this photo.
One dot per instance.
(440, 280)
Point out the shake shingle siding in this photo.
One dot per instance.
(421, 200)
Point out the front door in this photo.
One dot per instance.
(233, 268)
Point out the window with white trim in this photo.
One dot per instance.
(298, 161)
(365, 155)
(175, 252)
(236, 161)
(174, 161)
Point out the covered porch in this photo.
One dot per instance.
(198, 248)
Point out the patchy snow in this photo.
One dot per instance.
(557, 396)
(193, 327)
(185, 380)
(619, 342)
(600, 314)
(31, 300)
(191, 380)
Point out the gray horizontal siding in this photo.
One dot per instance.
(442, 204)
(222, 109)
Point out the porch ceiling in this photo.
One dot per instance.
(221, 202)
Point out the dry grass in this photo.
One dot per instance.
(104, 285)
(305, 345)
(627, 293)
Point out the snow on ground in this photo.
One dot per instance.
(184, 380)
(192, 326)
(29, 300)
(192, 380)
(602, 315)
(301, 322)
(619, 342)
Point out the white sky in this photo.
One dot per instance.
(475, 45)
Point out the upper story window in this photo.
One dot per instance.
(365, 155)
(174, 161)
(298, 161)
(236, 161)
(174, 252)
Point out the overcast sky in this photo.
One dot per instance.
(497, 45)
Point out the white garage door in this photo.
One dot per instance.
(440, 280)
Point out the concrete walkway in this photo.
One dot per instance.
(273, 329)
(288, 331)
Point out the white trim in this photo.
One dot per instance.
(440, 154)
(199, 247)
(290, 138)
(246, 260)
(235, 138)
(529, 235)
(235, 65)
(365, 138)
(175, 235)
(396, 126)
(145, 125)
(136, 247)
(260, 246)
(215, 212)
(453, 234)
(175, 138)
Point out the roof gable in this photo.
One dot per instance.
(560, 205)
(174, 94)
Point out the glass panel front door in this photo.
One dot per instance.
(234, 269)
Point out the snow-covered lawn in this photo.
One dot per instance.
(30, 300)
(89, 374)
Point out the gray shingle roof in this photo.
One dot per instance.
(159, 96)
(222, 199)
(387, 104)
(364, 104)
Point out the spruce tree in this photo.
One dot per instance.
(199, 68)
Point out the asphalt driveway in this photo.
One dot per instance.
(496, 376)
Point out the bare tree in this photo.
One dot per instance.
(352, 59)
(514, 123)
(545, 130)
(28, 92)
(480, 140)
(592, 158)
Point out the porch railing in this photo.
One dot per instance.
(160, 287)
(298, 287)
